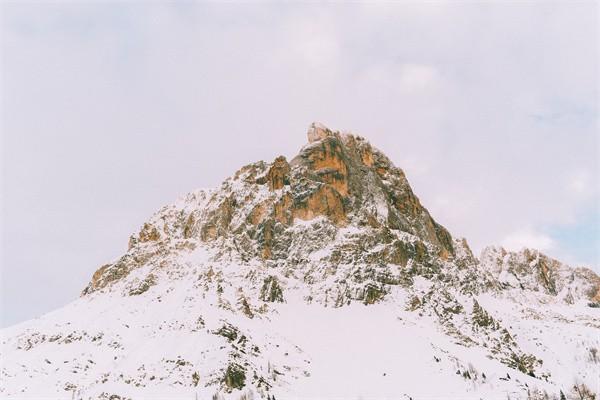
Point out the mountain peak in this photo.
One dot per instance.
(338, 181)
(214, 296)
(317, 131)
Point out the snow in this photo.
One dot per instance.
(357, 351)
(203, 311)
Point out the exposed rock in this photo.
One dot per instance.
(373, 294)
(271, 291)
(324, 201)
(149, 233)
(317, 131)
(531, 270)
(143, 287)
(336, 181)
(278, 175)
(235, 376)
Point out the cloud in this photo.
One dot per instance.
(315, 41)
(400, 79)
(580, 184)
(527, 238)
(414, 77)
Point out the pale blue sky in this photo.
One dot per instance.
(111, 110)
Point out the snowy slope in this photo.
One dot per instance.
(320, 278)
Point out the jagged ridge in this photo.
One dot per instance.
(337, 176)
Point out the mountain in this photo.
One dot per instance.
(316, 278)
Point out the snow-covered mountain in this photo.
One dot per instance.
(319, 278)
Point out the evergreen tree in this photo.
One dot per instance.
(562, 396)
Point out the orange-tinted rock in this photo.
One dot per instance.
(336, 179)
(361, 148)
(328, 156)
(327, 161)
(258, 213)
(266, 252)
(98, 275)
(324, 201)
(149, 233)
(278, 174)
(108, 273)
(219, 220)
(208, 232)
(594, 293)
(188, 228)
(282, 210)
(367, 157)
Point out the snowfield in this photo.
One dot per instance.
(150, 346)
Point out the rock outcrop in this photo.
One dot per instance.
(338, 177)
(336, 182)
(317, 131)
(531, 270)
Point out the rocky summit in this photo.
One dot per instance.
(318, 277)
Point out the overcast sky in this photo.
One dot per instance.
(110, 111)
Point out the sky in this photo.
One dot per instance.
(111, 110)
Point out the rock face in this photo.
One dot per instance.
(203, 300)
(337, 180)
(317, 131)
(531, 270)
(279, 174)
